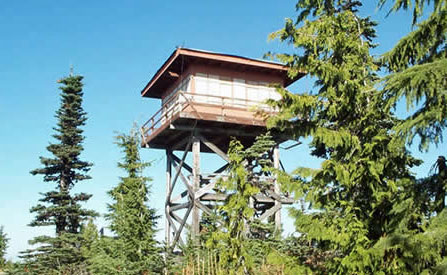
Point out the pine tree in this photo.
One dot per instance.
(59, 207)
(355, 195)
(133, 222)
(3, 245)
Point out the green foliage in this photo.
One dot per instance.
(363, 193)
(59, 207)
(134, 249)
(289, 265)
(3, 245)
(247, 168)
(418, 74)
(412, 252)
(106, 256)
(417, 67)
(55, 255)
(417, 5)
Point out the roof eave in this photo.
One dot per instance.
(160, 72)
(215, 56)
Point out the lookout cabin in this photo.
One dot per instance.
(213, 92)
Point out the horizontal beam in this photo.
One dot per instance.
(229, 132)
(259, 198)
(178, 206)
(202, 191)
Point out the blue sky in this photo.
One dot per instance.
(118, 46)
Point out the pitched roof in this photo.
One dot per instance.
(182, 57)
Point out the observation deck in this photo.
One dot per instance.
(216, 94)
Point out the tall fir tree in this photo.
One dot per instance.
(356, 194)
(59, 207)
(132, 220)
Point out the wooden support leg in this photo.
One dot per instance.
(200, 189)
(276, 164)
(177, 236)
(196, 185)
(171, 228)
(168, 192)
(178, 167)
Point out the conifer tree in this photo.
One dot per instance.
(132, 220)
(104, 254)
(59, 207)
(3, 245)
(418, 72)
(246, 170)
(417, 67)
(365, 169)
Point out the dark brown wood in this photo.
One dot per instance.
(218, 130)
(178, 144)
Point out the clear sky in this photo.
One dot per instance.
(117, 46)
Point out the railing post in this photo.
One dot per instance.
(223, 106)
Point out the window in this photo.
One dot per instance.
(253, 92)
(214, 89)
(226, 90)
(201, 81)
(173, 105)
(239, 92)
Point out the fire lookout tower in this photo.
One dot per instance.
(207, 98)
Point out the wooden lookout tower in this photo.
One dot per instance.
(207, 98)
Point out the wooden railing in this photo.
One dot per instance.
(181, 100)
